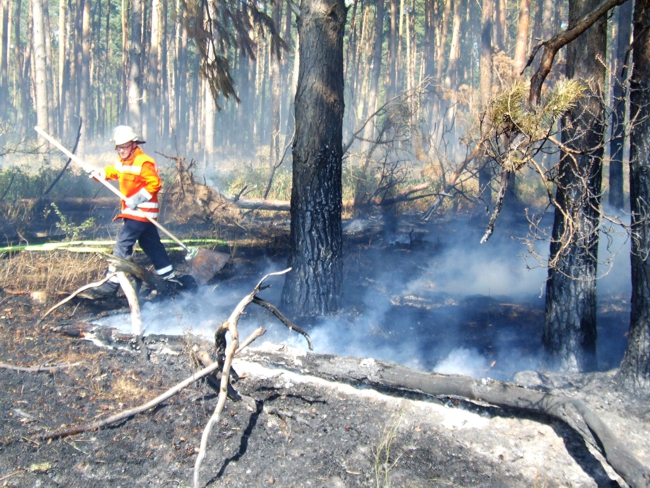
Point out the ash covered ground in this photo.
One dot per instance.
(412, 297)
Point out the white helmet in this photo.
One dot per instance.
(123, 134)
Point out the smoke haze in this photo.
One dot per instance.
(464, 309)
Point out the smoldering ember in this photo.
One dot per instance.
(331, 243)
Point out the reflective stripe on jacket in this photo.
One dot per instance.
(134, 174)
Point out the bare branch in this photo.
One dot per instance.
(558, 41)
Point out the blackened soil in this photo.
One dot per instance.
(292, 430)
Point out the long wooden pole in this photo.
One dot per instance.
(90, 169)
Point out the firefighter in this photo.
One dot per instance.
(140, 184)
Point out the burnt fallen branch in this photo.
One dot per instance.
(125, 414)
(398, 380)
(38, 369)
(225, 354)
(291, 326)
(84, 288)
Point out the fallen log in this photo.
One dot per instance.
(398, 380)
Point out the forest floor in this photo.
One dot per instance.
(296, 429)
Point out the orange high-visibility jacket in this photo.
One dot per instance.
(135, 174)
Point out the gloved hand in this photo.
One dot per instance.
(134, 200)
(98, 174)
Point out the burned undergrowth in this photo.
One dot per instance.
(294, 428)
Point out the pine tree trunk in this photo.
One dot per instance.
(635, 368)
(84, 94)
(451, 77)
(180, 82)
(125, 62)
(62, 54)
(391, 85)
(442, 39)
(4, 53)
(135, 74)
(372, 99)
(569, 337)
(276, 102)
(153, 74)
(616, 145)
(163, 55)
(313, 288)
(485, 92)
(51, 86)
(429, 38)
(42, 107)
(522, 37)
(22, 61)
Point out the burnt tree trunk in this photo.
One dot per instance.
(313, 287)
(569, 337)
(635, 368)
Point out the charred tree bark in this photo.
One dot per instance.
(569, 337)
(313, 288)
(635, 369)
(85, 101)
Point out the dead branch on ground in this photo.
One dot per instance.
(38, 369)
(225, 354)
(74, 294)
(65, 432)
(125, 414)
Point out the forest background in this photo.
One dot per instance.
(417, 75)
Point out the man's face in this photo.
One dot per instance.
(125, 150)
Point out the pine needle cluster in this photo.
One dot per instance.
(516, 127)
(510, 112)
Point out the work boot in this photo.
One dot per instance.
(179, 283)
(106, 290)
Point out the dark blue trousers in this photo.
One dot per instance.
(146, 234)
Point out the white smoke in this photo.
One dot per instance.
(463, 273)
